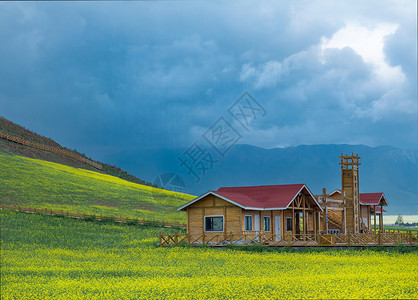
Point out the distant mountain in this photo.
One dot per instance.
(383, 169)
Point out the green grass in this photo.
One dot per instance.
(44, 257)
(41, 184)
(400, 228)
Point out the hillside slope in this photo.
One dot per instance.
(9, 127)
(42, 184)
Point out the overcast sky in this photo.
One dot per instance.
(100, 76)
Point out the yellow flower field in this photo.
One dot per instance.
(46, 257)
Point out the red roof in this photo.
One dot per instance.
(259, 197)
(267, 196)
(368, 198)
(372, 198)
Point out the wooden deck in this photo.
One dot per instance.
(372, 239)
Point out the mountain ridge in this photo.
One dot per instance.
(387, 169)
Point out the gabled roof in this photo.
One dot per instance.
(335, 191)
(266, 197)
(373, 199)
(368, 198)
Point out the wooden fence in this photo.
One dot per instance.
(294, 240)
(68, 153)
(93, 217)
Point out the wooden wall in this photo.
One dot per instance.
(212, 206)
(234, 217)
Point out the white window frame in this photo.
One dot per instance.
(291, 222)
(209, 216)
(264, 229)
(245, 223)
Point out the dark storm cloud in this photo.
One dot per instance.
(143, 74)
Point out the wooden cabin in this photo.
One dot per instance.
(277, 210)
(272, 209)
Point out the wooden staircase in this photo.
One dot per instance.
(335, 217)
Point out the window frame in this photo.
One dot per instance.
(264, 224)
(215, 216)
(245, 223)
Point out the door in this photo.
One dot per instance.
(277, 228)
(257, 223)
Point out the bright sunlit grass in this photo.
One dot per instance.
(43, 184)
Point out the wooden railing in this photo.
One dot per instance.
(68, 153)
(294, 240)
(94, 216)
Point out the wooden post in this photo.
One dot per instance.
(160, 238)
(349, 238)
(319, 221)
(304, 217)
(293, 217)
(379, 237)
(176, 238)
(381, 217)
(374, 207)
(324, 195)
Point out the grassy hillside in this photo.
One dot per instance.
(42, 184)
(9, 127)
(45, 257)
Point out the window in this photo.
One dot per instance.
(266, 222)
(248, 223)
(214, 223)
(288, 224)
(333, 231)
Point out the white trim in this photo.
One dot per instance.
(245, 222)
(335, 191)
(249, 208)
(264, 229)
(209, 216)
(215, 194)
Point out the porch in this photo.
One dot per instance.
(371, 239)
